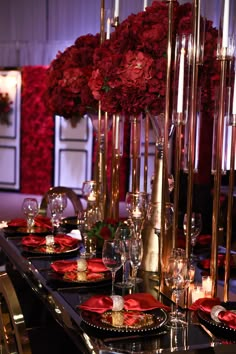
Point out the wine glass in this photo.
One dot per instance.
(136, 205)
(195, 229)
(30, 209)
(124, 233)
(136, 255)
(177, 279)
(112, 257)
(90, 217)
(57, 205)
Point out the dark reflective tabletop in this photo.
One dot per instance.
(63, 298)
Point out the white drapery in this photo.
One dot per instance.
(33, 31)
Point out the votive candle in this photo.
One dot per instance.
(207, 283)
(92, 197)
(197, 293)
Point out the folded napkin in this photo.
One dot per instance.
(206, 304)
(60, 239)
(40, 221)
(203, 240)
(84, 276)
(93, 265)
(134, 302)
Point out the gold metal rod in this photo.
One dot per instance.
(217, 179)
(114, 202)
(105, 187)
(193, 117)
(102, 21)
(166, 130)
(146, 153)
(229, 215)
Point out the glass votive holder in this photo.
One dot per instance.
(49, 240)
(197, 293)
(207, 284)
(50, 243)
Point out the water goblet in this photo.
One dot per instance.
(89, 191)
(112, 257)
(30, 209)
(195, 229)
(124, 233)
(177, 279)
(136, 255)
(136, 205)
(57, 205)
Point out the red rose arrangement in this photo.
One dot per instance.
(68, 93)
(130, 68)
(103, 230)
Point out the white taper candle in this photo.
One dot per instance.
(116, 12)
(144, 4)
(108, 28)
(181, 83)
(225, 34)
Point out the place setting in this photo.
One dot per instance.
(138, 313)
(91, 272)
(31, 223)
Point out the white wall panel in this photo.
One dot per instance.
(73, 153)
(10, 82)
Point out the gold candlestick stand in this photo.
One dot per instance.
(217, 175)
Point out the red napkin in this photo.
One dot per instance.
(93, 265)
(206, 304)
(203, 240)
(60, 239)
(135, 302)
(205, 263)
(228, 318)
(89, 276)
(40, 221)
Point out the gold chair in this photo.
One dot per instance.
(14, 336)
(71, 195)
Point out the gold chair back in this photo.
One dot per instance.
(71, 195)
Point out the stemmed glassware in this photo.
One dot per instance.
(91, 215)
(124, 233)
(136, 204)
(177, 278)
(136, 255)
(57, 204)
(30, 209)
(112, 257)
(195, 227)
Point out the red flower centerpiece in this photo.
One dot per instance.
(130, 68)
(68, 94)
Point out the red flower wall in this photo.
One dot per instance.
(37, 133)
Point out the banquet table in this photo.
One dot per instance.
(62, 300)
